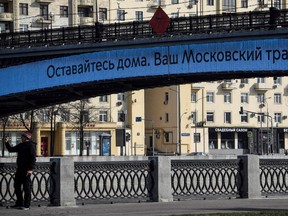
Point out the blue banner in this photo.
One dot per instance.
(251, 55)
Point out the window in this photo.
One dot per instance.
(244, 97)
(63, 11)
(103, 98)
(277, 80)
(3, 7)
(210, 97)
(261, 118)
(227, 97)
(139, 15)
(65, 115)
(277, 4)
(261, 3)
(44, 11)
(277, 98)
(166, 98)
(120, 96)
(277, 117)
(260, 80)
(85, 11)
(23, 27)
(23, 9)
(103, 14)
(84, 116)
(166, 117)
(210, 2)
(210, 117)
(44, 115)
(244, 81)
(194, 117)
(121, 116)
(260, 98)
(103, 116)
(174, 1)
(229, 6)
(121, 15)
(175, 15)
(227, 117)
(244, 3)
(244, 117)
(193, 96)
(192, 2)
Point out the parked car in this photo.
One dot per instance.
(197, 154)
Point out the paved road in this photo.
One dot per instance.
(156, 209)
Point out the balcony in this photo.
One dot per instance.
(42, 20)
(85, 2)
(45, 1)
(262, 87)
(229, 86)
(86, 20)
(197, 86)
(6, 16)
(156, 3)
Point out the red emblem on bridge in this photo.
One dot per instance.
(160, 21)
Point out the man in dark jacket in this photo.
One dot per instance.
(26, 159)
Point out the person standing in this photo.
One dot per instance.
(26, 160)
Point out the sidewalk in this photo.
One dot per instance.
(156, 209)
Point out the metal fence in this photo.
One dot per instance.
(133, 181)
(40, 180)
(205, 178)
(274, 177)
(113, 181)
(135, 30)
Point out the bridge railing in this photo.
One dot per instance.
(40, 180)
(135, 30)
(113, 181)
(273, 176)
(152, 179)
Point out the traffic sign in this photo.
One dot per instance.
(160, 21)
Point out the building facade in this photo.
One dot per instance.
(23, 15)
(176, 119)
(230, 116)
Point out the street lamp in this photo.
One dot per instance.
(51, 16)
(195, 122)
(241, 112)
(178, 146)
(263, 104)
(126, 122)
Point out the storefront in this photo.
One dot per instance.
(255, 140)
(228, 138)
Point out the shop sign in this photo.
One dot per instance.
(222, 130)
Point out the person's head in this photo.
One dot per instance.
(26, 136)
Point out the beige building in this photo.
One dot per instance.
(22, 15)
(210, 119)
(179, 119)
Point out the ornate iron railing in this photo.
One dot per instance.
(108, 181)
(40, 180)
(135, 30)
(274, 177)
(205, 178)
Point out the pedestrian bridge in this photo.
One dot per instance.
(85, 70)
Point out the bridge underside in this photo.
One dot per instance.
(18, 103)
(25, 101)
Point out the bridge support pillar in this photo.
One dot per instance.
(62, 182)
(250, 172)
(161, 172)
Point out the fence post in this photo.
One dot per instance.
(250, 173)
(161, 173)
(62, 182)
